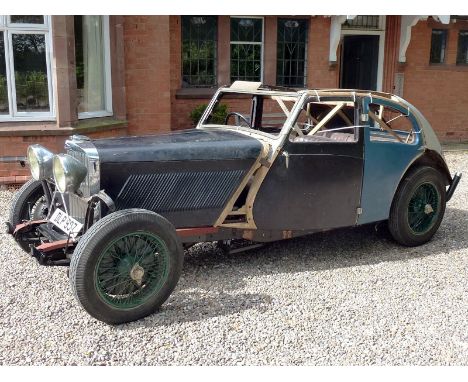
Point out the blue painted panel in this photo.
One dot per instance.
(384, 165)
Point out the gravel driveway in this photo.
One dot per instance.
(346, 297)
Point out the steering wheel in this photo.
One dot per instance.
(238, 115)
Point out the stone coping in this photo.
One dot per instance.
(44, 129)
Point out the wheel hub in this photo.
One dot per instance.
(428, 209)
(131, 269)
(423, 208)
(136, 273)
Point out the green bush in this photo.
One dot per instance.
(31, 85)
(217, 116)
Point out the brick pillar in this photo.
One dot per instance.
(63, 69)
(319, 72)
(117, 66)
(147, 73)
(224, 50)
(392, 44)
(270, 46)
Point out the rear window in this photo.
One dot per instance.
(388, 124)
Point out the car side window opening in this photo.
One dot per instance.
(326, 121)
(388, 124)
(264, 114)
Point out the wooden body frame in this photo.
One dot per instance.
(242, 218)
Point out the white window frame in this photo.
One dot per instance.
(376, 32)
(107, 112)
(8, 29)
(262, 43)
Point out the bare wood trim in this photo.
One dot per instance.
(282, 105)
(229, 206)
(287, 112)
(352, 94)
(237, 225)
(345, 117)
(385, 126)
(259, 177)
(333, 103)
(326, 118)
(240, 211)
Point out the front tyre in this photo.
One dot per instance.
(29, 203)
(418, 207)
(126, 265)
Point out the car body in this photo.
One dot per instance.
(285, 163)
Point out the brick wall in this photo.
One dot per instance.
(12, 172)
(147, 74)
(15, 137)
(440, 92)
(319, 72)
(152, 75)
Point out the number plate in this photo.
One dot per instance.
(66, 223)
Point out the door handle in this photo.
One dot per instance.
(286, 158)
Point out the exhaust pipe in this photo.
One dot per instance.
(453, 186)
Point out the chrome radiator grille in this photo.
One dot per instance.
(85, 152)
(86, 184)
(77, 207)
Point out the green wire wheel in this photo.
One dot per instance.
(423, 208)
(126, 265)
(418, 206)
(131, 269)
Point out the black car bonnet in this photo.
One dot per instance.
(186, 145)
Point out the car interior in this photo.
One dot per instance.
(327, 121)
(318, 121)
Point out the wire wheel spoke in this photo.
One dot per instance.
(423, 208)
(131, 269)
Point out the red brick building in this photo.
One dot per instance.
(133, 75)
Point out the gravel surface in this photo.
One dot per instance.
(349, 297)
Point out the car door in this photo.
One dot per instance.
(390, 148)
(313, 184)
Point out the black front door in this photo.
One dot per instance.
(359, 62)
(316, 186)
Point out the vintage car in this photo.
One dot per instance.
(283, 163)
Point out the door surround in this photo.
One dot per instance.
(376, 32)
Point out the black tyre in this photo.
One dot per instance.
(418, 207)
(29, 203)
(126, 265)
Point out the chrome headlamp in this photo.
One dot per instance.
(68, 173)
(40, 162)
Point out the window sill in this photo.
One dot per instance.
(450, 67)
(42, 129)
(195, 93)
(94, 114)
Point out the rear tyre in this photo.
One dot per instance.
(126, 266)
(28, 204)
(418, 207)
